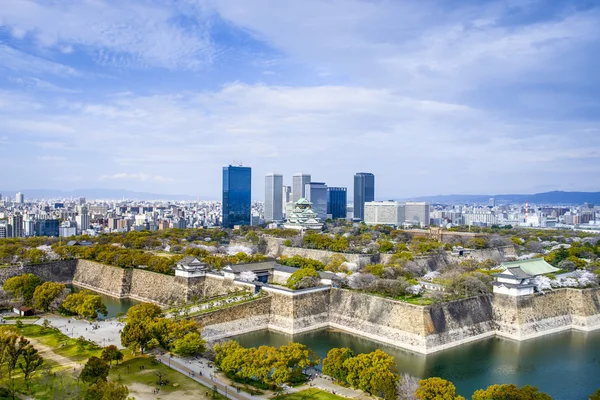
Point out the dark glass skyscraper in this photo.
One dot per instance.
(336, 202)
(364, 190)
(237, 183)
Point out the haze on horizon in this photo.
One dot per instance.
(156, 96)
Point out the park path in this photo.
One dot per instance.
(49, 354)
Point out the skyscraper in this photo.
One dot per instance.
(336, 202)
(316, 193)
(16, 222)
(236, 205)
(286, 196)
(20, 198)
(83, 219)
(273, 197)
(364, 190)
(299, 182)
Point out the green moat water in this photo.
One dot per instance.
(565, 365)
(114, 305)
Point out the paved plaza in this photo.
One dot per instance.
(104, 333)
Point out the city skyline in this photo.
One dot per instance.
(148, 95)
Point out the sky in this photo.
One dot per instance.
(433, 97)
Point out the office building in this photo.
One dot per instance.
(417, 213)
(492, 202)
(364, 191)
(316, 193)
(384, 213)
(336, 202)
(16, 226)
(47, 227)
(286, 196)
(4, 229)
(273, 197)
(236, 206)
(20, 198)
(83, 219)
(299, 181)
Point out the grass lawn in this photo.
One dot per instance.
(312, 394)
(129, 373)
(60, 343)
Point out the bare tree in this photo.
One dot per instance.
(407, 386)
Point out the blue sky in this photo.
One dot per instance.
(431, 96)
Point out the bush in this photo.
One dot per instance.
(297, 276)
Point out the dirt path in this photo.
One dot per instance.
(49, 354)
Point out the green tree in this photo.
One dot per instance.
(595, 395)
(374, 373)
(291, 359)
(297, 276)
(385, 246)
(85, 303)
(510, 392)
(95, 369)
(81, 343)
(107, 391)
(437, 389)
(22, 287)
(31, 361)
(45, 294)
(189, 345)
(111, 353)
(333, 364)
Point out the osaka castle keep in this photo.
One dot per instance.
(515, 278)
(302, 217)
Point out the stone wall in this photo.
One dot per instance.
(157, 288)
(299, 311)
(530, 316)
(58, 271)
(325, 256)
(112, 281)
(237, 319)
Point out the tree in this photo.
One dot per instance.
(595, 395)
(189, 345)
(248, 276)
(95, 369)
(81, 343)
(107, 391)
(437, 389)
(298, 275)
(31, 361)
(45, 294)
(22, 287)
(510, 392)
(374, 373)
(111, 353)
(85, 304)
(333, 364)
(290, 360)
(14, 346)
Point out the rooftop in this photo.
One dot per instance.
(533, 267)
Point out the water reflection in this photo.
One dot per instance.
(565, 365)
(114, 305)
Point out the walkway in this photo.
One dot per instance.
(208, 381)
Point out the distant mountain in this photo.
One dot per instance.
(555, 198)
(92, 194)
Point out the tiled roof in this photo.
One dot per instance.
(533, 267)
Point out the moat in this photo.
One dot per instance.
(565, 365)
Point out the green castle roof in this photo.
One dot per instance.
(534, 266)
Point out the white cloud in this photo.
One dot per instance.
(181, 140)
(132, 33)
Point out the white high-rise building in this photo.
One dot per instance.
(16, 223)
(316, 193)
(273, 197)
(384, 213)
(417, 213)
(83, 219)
(20, 198)
(299, 181)
(286, 197)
